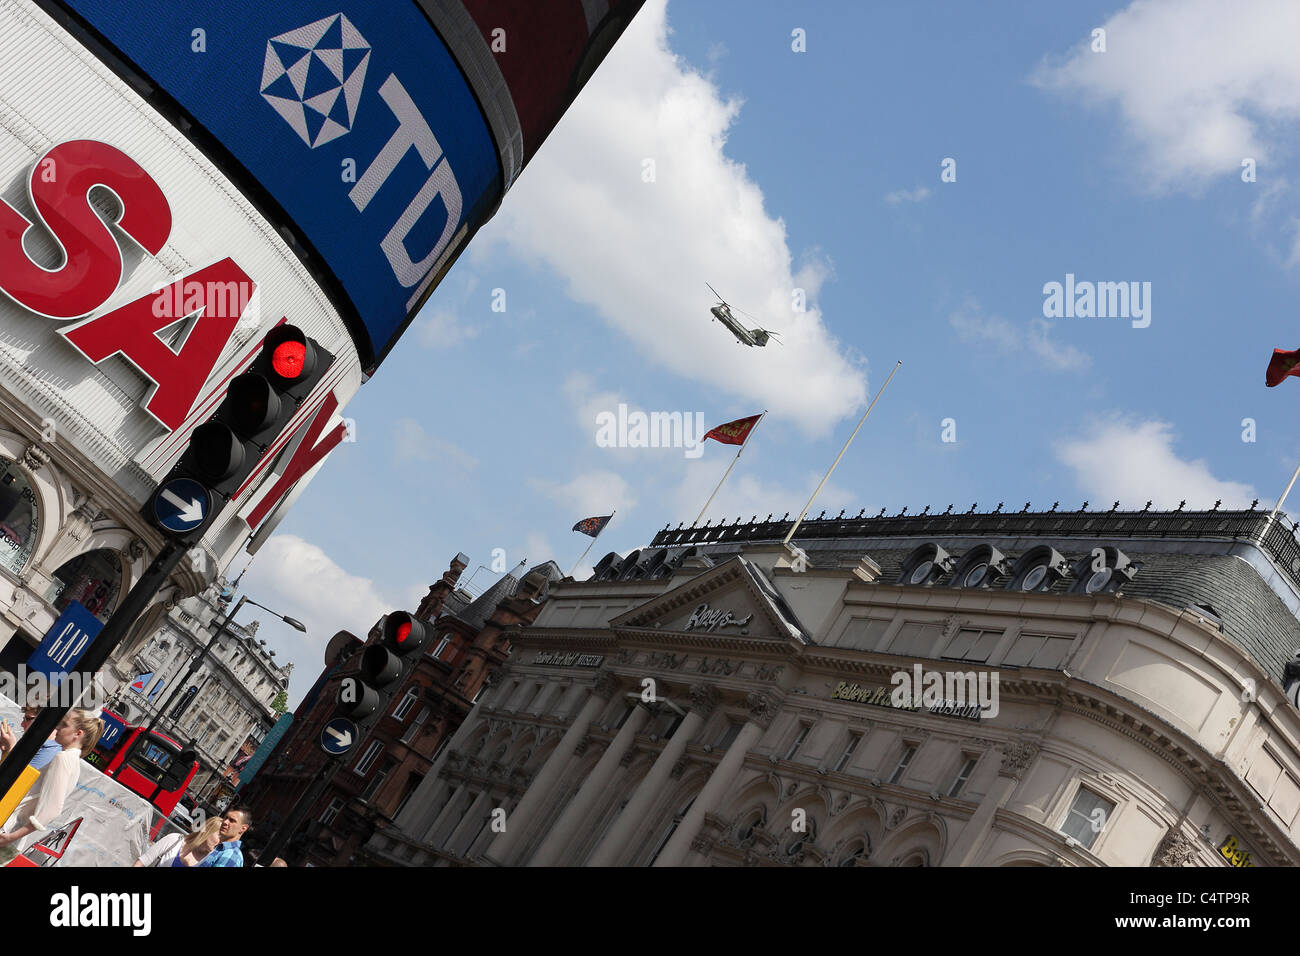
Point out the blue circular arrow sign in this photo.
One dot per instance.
(338, 736)
(181, 505)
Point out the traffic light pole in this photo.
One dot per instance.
(133, 605)
(296, 815)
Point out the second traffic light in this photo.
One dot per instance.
(258, 406)
(385, 665)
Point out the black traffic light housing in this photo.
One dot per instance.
(385, 666)
(258, 405)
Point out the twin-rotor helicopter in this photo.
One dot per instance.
(752, 337)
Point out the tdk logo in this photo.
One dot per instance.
(314, 77)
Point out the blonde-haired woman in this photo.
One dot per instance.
(180, 849)
(77, 734)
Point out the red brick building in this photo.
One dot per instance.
(382, 770)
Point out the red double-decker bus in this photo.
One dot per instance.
(154, 766)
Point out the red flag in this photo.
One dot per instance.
(733, 433)
(1281, 365)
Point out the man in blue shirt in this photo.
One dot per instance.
(229, 851)
(48, 749)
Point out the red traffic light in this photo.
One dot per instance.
(288, 358)
(292, 356)
(404, 634)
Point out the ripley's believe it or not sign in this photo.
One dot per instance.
(310, 162)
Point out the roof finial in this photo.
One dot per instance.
(948, 510)
(999, 507)
(1025, 508)
(1216, 505)
(1253, 503)
(1055, 505)
(1083, 507)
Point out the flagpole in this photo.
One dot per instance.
(840, 455)
(728, 471)
(1277, 507)
(593, 542)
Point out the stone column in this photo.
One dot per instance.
(651, 787)
(430, 835)
(468, 819)
(1015, 761)
(762, 709)
(577, 812)
(551, 772)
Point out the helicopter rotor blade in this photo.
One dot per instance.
(715, 292)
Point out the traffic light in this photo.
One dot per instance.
(385, 665)
(224, 450)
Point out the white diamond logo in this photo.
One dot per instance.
(305, 71)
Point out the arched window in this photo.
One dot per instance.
(855, 854)
(93, 579)
(19, 517)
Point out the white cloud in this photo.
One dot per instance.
(580, 390)
(412, 443)
(440, 329)
(591, 493)
(1200, 84)
(919, 194)
(640, 252)
(972, 326)
(1133, 462)
(300, 580)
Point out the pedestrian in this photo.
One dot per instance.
(76, 735)
(183, 849)
(8, 738)
(230, 852)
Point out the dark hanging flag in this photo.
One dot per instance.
(1281, 365)
(593, 526)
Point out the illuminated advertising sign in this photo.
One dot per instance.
(352, 116)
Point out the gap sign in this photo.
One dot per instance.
(66, 642)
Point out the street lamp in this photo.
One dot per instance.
(197, 661)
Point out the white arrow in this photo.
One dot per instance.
(191, 511)
(342, 739)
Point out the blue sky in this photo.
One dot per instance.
(820, 170)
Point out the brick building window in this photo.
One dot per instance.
(368, 758)
(331, 811)
(378, 779)
(406, 703)
(415, 725)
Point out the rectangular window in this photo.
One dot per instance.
(972, 644)
(414, 728)
(855, 738)
(798, 742)
(406, 703)
(909, 751)
(437, 651)
(368, 758)
(377, 780)
(331, 811)
(1087, 817)
(967, 767)
(626, 714)
(729, 734)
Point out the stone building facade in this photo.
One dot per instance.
(1091, 689)
(380, 773)
(237, 683)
